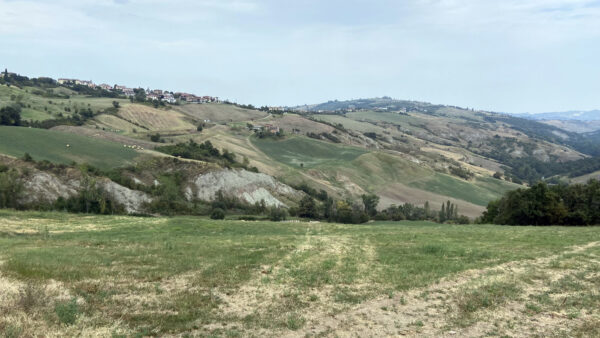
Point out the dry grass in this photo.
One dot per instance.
(155, 119)
(125, 276)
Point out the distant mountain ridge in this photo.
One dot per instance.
(577, 115)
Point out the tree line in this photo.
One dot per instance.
(542, 204)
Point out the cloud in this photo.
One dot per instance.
(469, 52)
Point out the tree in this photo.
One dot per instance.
(277, 214)
(115, 104)
(307, 207)
(427, 210)
(217, 214)
(140, 94)
(10, 116)
(155, 137)
(370, 203)
(11, 189)
(498, 175)
(442, 214)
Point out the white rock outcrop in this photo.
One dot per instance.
(248, 186)
(132, 200)
(42, 186)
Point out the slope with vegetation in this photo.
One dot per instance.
(405, 152)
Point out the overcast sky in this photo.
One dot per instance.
(506, 55)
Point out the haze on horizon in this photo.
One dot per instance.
(510, 56)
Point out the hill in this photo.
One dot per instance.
(574, 121)
(591, 115)
(61, 147)
(402, 151)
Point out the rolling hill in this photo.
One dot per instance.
(61, 147)
(403, 151)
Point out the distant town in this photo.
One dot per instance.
(150, 94)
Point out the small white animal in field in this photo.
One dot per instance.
(68, 145)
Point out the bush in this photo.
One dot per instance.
(277, 214)
(11, 189)
(67, 312)
(155, 137)
(217, 213)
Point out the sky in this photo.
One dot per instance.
(511, 56)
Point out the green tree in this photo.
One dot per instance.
(277, 214)
(10, 116)
(427, 210)
(307, 207)
(217, 214)
(11, 189)
(370, 203)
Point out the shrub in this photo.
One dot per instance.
(155, 137)
(277, 214)
(67, 312)
(217, 213)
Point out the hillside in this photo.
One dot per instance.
(591, 115)
(402, 151)
(573, 121)
(62, 147)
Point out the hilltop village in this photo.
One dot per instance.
(150, 94)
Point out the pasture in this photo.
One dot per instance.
(51, 145)
(305, 152)
(68, 275)
(38, 106)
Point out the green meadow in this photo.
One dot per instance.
(129, 276)
(51, 145)
(309, 153)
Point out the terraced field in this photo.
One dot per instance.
(70, 275)
(51, 145)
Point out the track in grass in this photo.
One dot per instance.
(170, 276)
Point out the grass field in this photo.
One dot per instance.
(217, 112)
(297, 151)
(51, 145)
(38, 107)
(66, 275)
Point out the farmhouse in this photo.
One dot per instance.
(271, 128)
(66, 81)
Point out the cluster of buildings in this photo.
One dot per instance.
(191, 98)
(154, 94)
(267, 127)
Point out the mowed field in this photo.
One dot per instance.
(217, 112)
(51, 145)
(152, 119)
(305, 152)
(71, 275)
